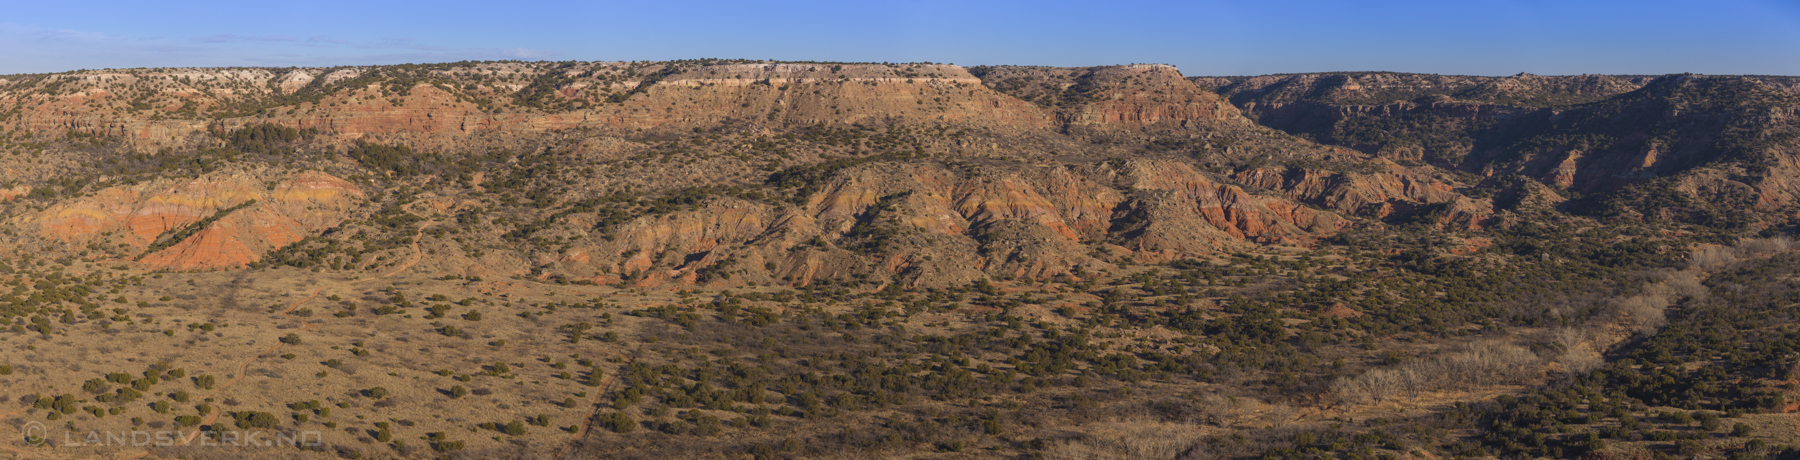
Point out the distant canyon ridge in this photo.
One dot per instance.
(723, 173)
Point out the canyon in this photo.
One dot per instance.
(719, 258)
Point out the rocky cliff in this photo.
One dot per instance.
(1053, 189)
(1406, 117)
(930, 224)
(225, 220)
(716, 171)
(443, 106)
(1713, 150)
(1111, 98)
(1680, 146)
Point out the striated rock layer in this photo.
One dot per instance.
(1029, 172)
(926, 224)
(286, 208)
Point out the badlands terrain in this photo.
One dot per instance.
(756, 260)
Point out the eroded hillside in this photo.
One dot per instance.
(1708, 150)
(749, 259)
(1137, 160)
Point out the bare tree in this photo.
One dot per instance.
(1642, 313)
(1706, 258)
(1577, 351)
(1480, 364)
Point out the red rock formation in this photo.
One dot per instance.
(945, 227)
(1377, 192)
(440, 116)
(297, 205)
(1155, 95)
(1338, 310)
(14, 192)
(1102, 100)
(920, 222)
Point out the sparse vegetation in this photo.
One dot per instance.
(815, 260)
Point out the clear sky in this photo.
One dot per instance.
(1202, 37)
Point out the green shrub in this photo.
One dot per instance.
(1689, 447)
(620, 423)
(253, 419)
(707, 425)
(447, 446)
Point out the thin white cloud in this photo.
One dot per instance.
(235, 38)
(526, 53)
(32, 49)
(401, 43)
(21, 31)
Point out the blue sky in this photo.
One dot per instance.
(1493, 37)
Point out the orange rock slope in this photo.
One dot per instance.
(926, 224)
(1077, 173)
(385, 103)
(288, 207)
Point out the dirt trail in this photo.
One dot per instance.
(213, 416)
(587, 422)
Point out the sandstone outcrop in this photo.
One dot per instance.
(1106, 99)
(1406, 117)
(1640, 142)
(286, 208)
(960, 174)
(925, 224)
(443, 106)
